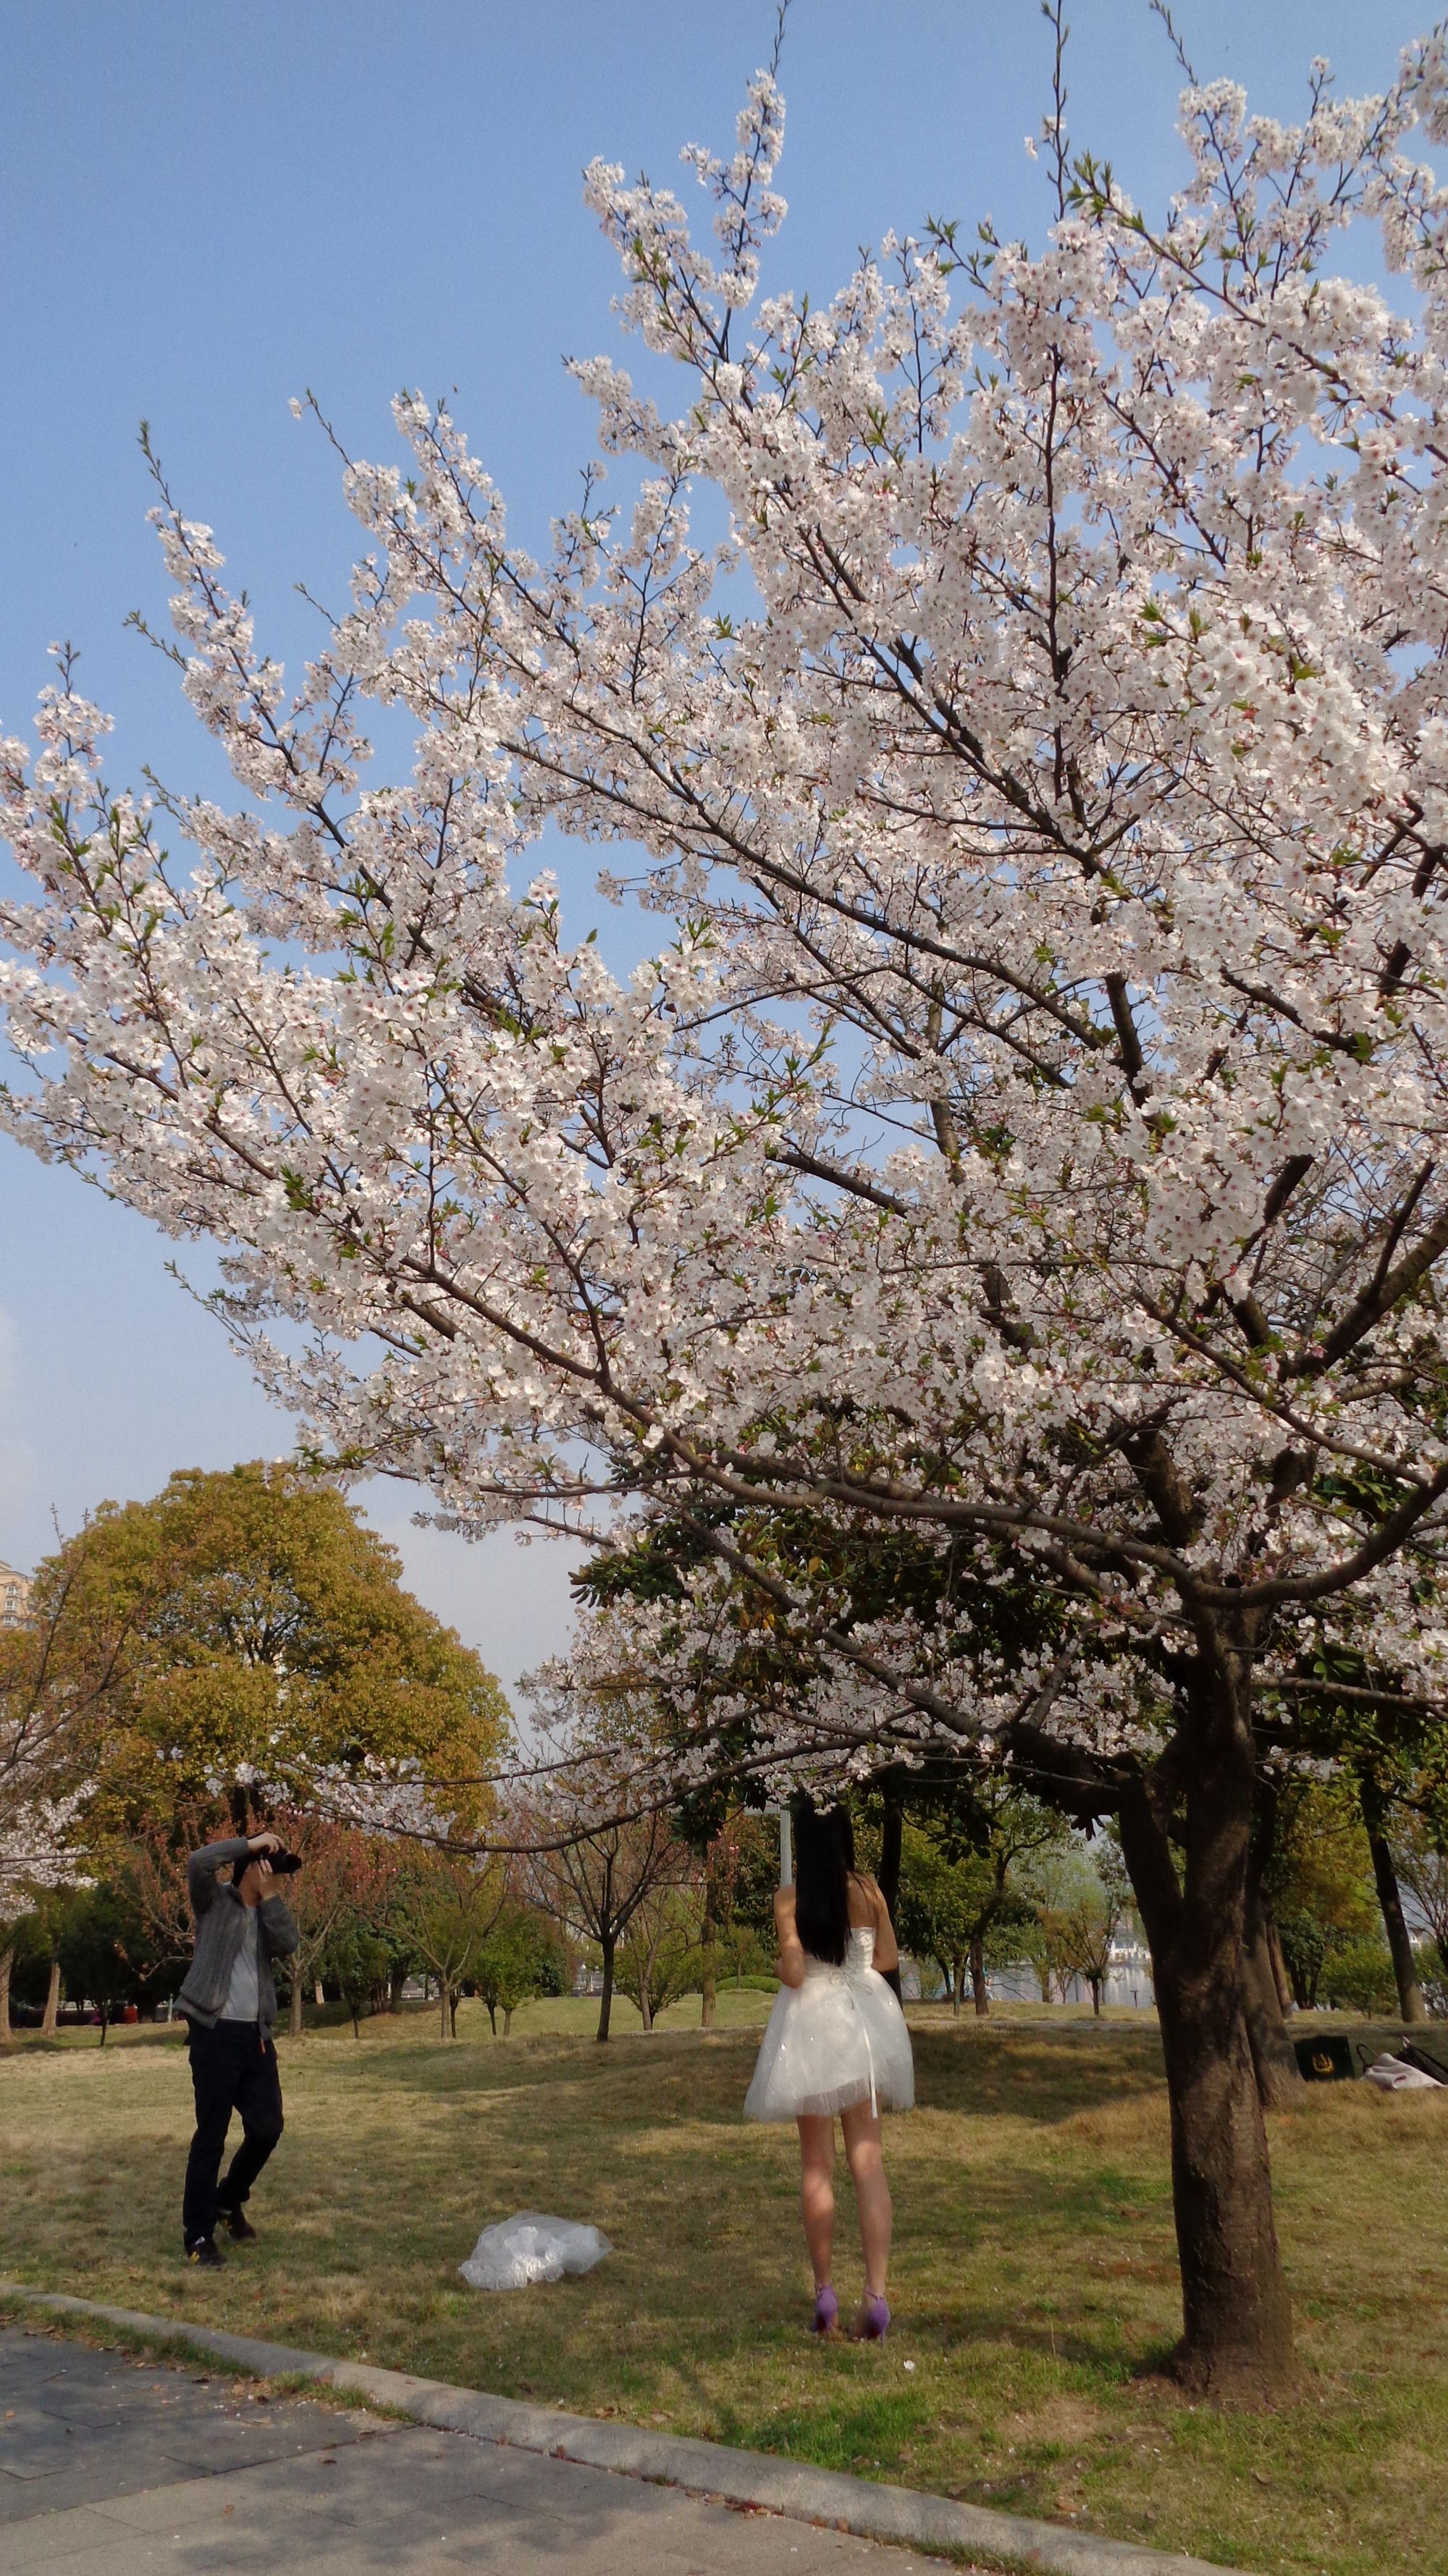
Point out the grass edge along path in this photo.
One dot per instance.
(864, 2506)
(1034, 2261)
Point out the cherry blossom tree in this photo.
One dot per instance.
(1029, 1134)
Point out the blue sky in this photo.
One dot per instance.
(206, 210)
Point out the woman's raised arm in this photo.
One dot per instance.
(791, 1949)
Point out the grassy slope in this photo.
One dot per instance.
(1034, 2278)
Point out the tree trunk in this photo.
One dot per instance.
(507, 2020)
(7, 1962)
(397, 1979)
(443, 1998)
(979, 1994)
(957, 1984)
(709, 1975)
(605, 2001)
(1280, 2080)
(51, 2021)
(1237, 2341)
(1096, 1984)
(646, 2004)
(891, 1839)
(1400, 1939)
(454, 1998)
(1278, 1957)
(318, 1997)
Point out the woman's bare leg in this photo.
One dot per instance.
(817, 2193)
(861, 2126)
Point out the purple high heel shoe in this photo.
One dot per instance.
(872, 2322)
(827, 2311)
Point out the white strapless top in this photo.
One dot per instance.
(859, 1956)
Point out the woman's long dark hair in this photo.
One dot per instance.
(824, 1856)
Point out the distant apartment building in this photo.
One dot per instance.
(14, 1596)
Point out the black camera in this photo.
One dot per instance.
(282, 1864)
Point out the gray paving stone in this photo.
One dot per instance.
(135, 2471)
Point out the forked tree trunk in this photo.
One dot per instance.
(1279, 2078)
(605, 2001)
(1236, 2345)
(1400, 1940)
(50, 2021)
(980, 1995)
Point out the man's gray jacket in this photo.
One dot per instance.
(220, 1925)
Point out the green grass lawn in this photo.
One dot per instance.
(1034, 2281)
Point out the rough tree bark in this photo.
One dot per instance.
(1236, 2344)
(1280, 2079)
(50, 2021)
(979, 1995)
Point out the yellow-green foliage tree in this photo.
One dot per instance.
(269, 1641)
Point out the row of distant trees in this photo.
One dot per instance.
(248, 1628)
(977, 1884)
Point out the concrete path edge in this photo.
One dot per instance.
(788, 2487)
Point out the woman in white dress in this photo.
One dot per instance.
(836, 2046)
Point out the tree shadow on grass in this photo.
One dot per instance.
(1040, 2076)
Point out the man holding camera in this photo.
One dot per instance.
(230, 2004)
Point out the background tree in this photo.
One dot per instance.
(444, 1905)
(1422, 1864)
(936, 1907)
(356, 1960)
(593, 1884)
(269, 1641)
(660, 1957)
(1081, 1933)
(514, 1962)
(341, 1899)
(1321, 1879)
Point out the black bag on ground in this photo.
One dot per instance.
(1325, 2060)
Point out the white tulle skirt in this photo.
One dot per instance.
(838, 2039)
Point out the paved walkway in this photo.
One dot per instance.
(110, 2467)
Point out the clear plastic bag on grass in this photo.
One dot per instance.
(531, 2248)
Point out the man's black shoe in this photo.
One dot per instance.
(238, 2226)
(207, 2253)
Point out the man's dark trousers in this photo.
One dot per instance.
(233, 2068)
